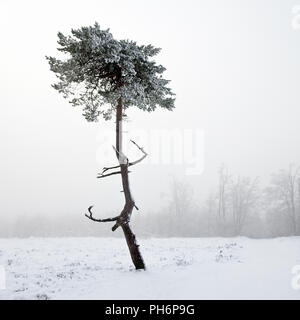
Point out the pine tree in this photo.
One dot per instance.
(106, 76)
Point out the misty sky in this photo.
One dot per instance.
(234, 65)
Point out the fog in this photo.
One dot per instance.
(234, 66)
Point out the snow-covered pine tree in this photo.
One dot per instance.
(106, 76)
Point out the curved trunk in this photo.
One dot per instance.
(129, 202)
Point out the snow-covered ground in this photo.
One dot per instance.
(177, 268)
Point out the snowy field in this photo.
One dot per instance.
(180, 268)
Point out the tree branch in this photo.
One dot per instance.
(108, 168)
(142, 158)
(90, 216)
(129, 163)
(108, 174)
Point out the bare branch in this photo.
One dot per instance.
(142, 158)
(122, 156)
(108, 168)
(109, 174)
(140, 148)
(115, 227)
(90, 216)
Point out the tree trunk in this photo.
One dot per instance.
(129, 202)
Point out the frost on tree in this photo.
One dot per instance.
(106, 76)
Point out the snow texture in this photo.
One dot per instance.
(177, 268)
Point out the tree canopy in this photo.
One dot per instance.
(99, 70)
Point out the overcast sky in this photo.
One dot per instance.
(234, 65)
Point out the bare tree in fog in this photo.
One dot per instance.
(180, 205)
(103, 72)
(243, 195)
(180, 197)
(224, 180)
(284, 195)
(234, 199)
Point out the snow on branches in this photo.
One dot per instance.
(99, 70)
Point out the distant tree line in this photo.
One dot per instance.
(238, 206)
